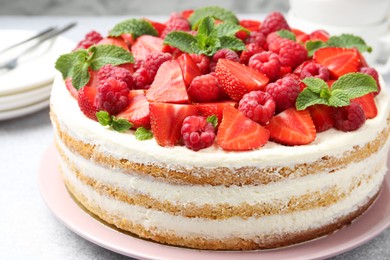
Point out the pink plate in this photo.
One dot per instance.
(56, 196)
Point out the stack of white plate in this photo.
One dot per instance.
(26, 88)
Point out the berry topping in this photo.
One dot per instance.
(118, 73)
(339, 61)
(292, 127)
(237, 79)
(372, 72)
(266, 62)
(142, 79)
(176, 24)
(274, 22)
(86, 100)
(285, 92)
(251, 25)
(146, 44)
(202, 61)
(322, 117)
(251, 49)
(117, 41)
(189, 68)
(90, 39)
(258, 106)
(137, 112)
(368, 104)
(319, 35)
(153, 62)
(257, 38)
(112, 96)
(312, 69)
(349, 118)
(239, 133)
(204, 88)
(197, 133)
(214, 108)
(290, 53)
(223, 54)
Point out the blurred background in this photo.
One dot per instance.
(125, 7)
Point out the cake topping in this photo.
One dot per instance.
(197, 132)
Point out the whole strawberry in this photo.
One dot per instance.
(197, 133)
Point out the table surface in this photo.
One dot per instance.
(28, 229)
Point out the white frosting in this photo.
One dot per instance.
(124, 145)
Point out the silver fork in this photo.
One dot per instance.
(13, 62)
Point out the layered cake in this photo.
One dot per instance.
(211, 132)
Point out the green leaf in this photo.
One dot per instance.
(308, 98)
(181, 40)
(121, 124)
(206, 27)
(229, 42)
(213, 120)
(207, 45)
(312, 46)
(80, 75)
(143, 134)
(216, 12)
(287, 35)
(104, 118)
(349, 41)
(65, 62)
(135, 27)
(355, 85)
(338, 98)
(316, 85)
(108, 54)
(229, 29)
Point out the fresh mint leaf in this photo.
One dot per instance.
(143, 134)
(229, 29)
(213, 120)
(65, 62)
(182, 40)
(207, 45)
(135, 27)
(206, 27)
(312, 46)
(308, 98)
(349, 41)
(121, 124)
(338, 98)
(232, 43)
(316, 85)
(108, 54)
(80, 75)
(355, 85)
(287, 35)
(104, 118)
(216, 12)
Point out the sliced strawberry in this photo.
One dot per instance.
(160, 27)
(322, 117)
(93, 82)
(339, 61)
(118, 41)
(166, 121)
(300, 36)
(138, 110)
(86, 101)
(168, 85)
(187, 13)
(189, 68)
(72, 90)
(239, 133)
(292, 127)
(368, 104)
(146, 44)
(251, 25)
(214, 108)
(319, 35)
(237, 79)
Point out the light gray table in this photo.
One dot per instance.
(28, 230)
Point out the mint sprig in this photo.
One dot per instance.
(215, 12)
(118, 124)
(287, 35)
(213, 120)
(343, 40)
(209, 38)
(347, 87)
(76, 64)
(143, 134)
(135, 27)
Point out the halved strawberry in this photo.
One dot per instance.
(214, 108)
(338, 60)
(146, 44)
(118, 41)
(187, 13)
(292, 127)
(319, 35)
(368, 104)
(93, 82)
(72, 90)
(168, 85)
(160, 27)
(189, 68)
(239, 133)
(237, 79)
(251, 25)
(86, 101)
(166, 121)
(322, 117)
(138, 110)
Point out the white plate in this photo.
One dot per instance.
(11, 102)
(35, 68)
(24, 110)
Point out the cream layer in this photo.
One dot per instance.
(125, 146)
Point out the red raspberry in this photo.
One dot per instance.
(274, 22)
(266, 62)
(86, 100)
(154, 60)
(258, 106)
(197, 132)
(142, 79)
(312, 69)
(112, 96)
(251, 49)
(90, 39)
(257, 38)
(138, 64)
(223, 54)
(202, 61)
(349, 118)
(372, 72)
(291, 53)
(285, 92)
(110, 71)
(204, 88)
(176, 24)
